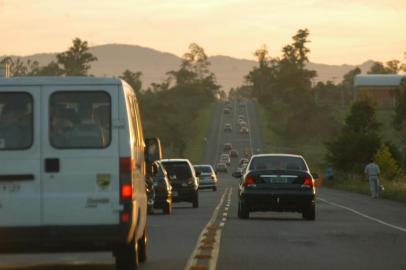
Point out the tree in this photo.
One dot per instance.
(347, 85)
(399, 120)
(392, 67)
(261, 78)
(133, 79)
(16, 66)
(76, 60)
(387, 164)
(362, 118)
(358, 140)
(52, 69)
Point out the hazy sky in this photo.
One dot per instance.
(341, 31)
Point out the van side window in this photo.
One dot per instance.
(16, 121)
(80, 119)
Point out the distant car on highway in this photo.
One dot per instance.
(227, 146)
(221, 167)
(244, 130)
(226, 159)
(243, 161)
(228, 127)
(277, 182)
(207, 178)
(183, 179)
(234, 153)
(226, 110)
(242, 123)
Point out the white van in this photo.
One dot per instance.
(72, 167)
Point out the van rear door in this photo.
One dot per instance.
(80, 155)
(20, 183)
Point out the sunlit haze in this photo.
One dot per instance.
(341, 31)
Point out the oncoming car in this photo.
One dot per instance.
(277, 182)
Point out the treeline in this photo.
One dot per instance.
(300, 113)
(169, 108)
(283, 86)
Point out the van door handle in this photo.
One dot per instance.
(52, 165)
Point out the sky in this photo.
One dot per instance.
(341, 31)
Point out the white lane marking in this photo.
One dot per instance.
(364, 215)
(191, 261)
(222, 224)
(225, 214)
(224, 219)
(226, 209)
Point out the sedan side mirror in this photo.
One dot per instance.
(237, 174)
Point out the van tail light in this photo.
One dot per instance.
(125, 217)
(308, 182)
(249, 181)
(126, 191)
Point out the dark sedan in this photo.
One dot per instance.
(277, 182)
(162, 188)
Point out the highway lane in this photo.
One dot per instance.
(351, 231)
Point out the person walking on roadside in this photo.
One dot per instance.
(372, 171)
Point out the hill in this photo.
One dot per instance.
(113, 59)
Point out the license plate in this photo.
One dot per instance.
(174, 193)
(278, 180)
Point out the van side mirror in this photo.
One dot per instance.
(237, 174)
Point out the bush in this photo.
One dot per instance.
(390, 169)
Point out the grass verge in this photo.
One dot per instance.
(195, 145)
(394, 190)
(314, 154)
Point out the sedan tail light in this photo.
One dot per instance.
(249, 181)
(308, 182)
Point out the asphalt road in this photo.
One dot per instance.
(351, 231)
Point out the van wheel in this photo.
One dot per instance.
(167, 210)
(196, 200)
(309, 213)
(142, 247)
(127, 257)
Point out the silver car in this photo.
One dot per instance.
(207, 178)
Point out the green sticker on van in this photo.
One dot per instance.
(103, 180)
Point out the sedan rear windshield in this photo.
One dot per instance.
(180, 169)
(203, 169)
(278, 163)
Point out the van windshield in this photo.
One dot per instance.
(80, 120)
(16, 121)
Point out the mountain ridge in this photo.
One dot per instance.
(114, 58)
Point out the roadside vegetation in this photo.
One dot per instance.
(177, 110)
(323, 123)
